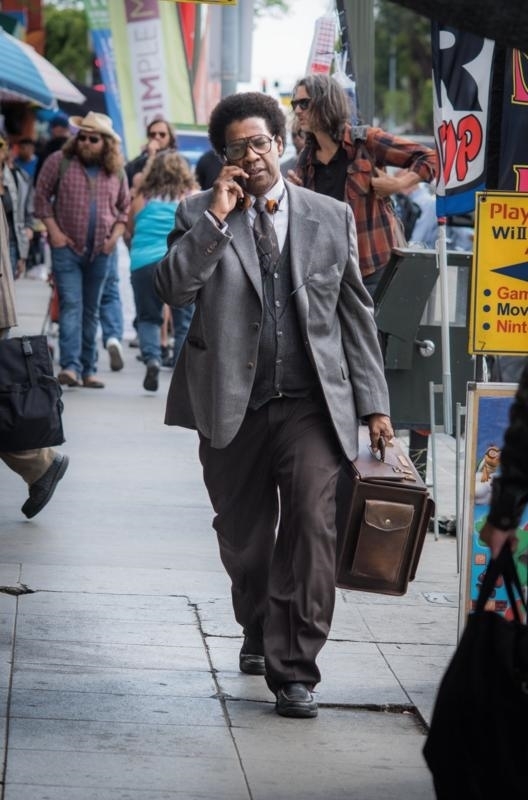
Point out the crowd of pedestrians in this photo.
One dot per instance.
(264, 271)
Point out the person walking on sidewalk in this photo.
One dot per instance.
(84, 208)
(349, 163)
(280, 363)
(160, 136)
(111, 314)
(509, 493)
(43, 467)
(16, 198)
(166, 180)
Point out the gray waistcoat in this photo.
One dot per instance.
(283, 366)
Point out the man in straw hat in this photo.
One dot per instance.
(82, 197)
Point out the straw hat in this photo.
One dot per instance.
(95, 123)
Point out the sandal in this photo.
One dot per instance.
(68, 378)
(92, 383)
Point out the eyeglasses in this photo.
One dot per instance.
(158, 134)
(303, 103)
(298, 134)
(237, 149)
(82, 137)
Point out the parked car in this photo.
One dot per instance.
(193, 141)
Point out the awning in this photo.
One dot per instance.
(26, 75)
(505, 22)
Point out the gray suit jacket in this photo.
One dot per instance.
(220, 272)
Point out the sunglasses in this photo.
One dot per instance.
(158, 134)
(82, 137)
(237, 149)
(303, 103)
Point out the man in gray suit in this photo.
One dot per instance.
(280, 364)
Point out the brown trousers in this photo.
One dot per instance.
(30, 464)
(273, 491)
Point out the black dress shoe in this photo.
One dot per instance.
(42, 490)
(295, 700)
(251, 660)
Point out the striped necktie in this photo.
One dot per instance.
(265, 237)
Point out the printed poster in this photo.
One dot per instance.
(488, 406)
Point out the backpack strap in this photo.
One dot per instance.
(63, 166)
(65, 163)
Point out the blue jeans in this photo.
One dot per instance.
(13, 255)
(111, 308)
(181, 319)
(79, 284)
(149, 315)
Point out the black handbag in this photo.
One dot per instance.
(477, 746)
(30, 396)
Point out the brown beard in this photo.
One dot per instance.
(90, 160)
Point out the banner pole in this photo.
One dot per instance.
(441, 256)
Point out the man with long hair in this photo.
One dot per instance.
(349, 162)
(160, 136)
(82, 197)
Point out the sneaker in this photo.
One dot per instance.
(115, 352)
(151, 381)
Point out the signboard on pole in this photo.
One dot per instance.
(499, 281)
(488, 408)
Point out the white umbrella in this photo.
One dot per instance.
(26, 75)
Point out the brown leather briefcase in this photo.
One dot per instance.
(383, 511)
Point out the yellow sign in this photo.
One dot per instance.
(499, 282)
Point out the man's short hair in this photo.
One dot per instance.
(236, 107)
(58, 120)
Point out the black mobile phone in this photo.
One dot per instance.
(241, 202)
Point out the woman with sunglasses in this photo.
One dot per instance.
(349, 163)
(82, 198)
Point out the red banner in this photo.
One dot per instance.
(513, 165)
(462, 69)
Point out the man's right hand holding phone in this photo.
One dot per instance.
(227, 191)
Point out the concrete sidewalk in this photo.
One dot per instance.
(119, 666)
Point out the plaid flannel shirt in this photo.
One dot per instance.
(71, 207)
(375, 217)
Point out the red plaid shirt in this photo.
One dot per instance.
(375, 218)
(71, 207)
